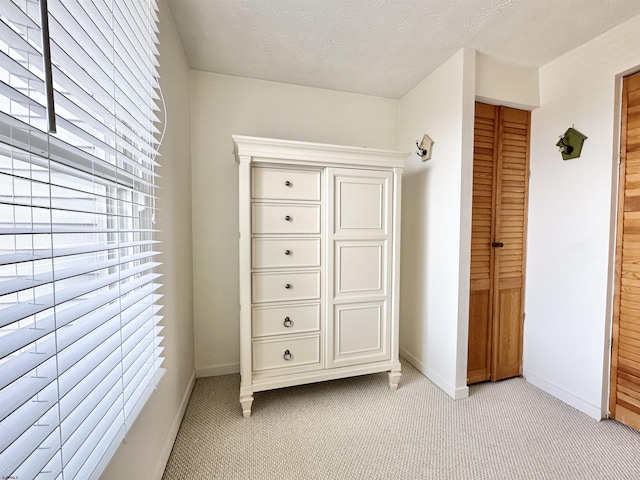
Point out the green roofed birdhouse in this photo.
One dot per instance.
(570, 144)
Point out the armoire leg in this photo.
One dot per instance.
(246, 401)
(394, 378)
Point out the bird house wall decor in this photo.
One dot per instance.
(425, 147)
(570, 144)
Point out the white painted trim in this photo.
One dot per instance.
(462, 392)
(217, 370)
(270, 149)
(441, 383)
(173, 432)
(594, 411)
(263, 383)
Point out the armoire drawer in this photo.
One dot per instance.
(285, 218)
(288, 352)
(287, 319)
(284, 253)
(284, 286)
(285, 184)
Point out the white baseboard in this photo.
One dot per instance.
(173, 432)
(594, 411)
(441, 383)
(217, 370)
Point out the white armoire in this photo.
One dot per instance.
(319, 263)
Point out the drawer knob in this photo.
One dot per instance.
(288, 286)
(287, 322)
(287, 252)
(287, 355)
(288, 183)
(287, 218)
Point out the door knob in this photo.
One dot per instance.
(497, 244)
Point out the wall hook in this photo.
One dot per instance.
(570, 143)
(425, 147)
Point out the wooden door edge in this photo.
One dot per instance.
(613, 372)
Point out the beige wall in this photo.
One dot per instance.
(572, 213)
(150, 440)
(221, 106)
(436, 224)
(500, 83)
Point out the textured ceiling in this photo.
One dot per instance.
(380, 47)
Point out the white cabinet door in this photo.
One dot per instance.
(360, 247)
(360, 333)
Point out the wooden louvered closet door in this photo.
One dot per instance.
(500, 184)
(624, 400)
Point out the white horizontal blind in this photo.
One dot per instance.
(79, 316)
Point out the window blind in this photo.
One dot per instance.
(80, 333)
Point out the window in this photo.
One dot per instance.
(80, 347)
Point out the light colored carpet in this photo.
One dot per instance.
(359, 429)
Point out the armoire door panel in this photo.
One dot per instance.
(360, 268)
(360, 333)
(362, 202)
(356, 195)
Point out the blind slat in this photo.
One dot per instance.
(12, 427)
(33, 255)
(17, 15)
(84, 429)
(75, 418)
(23, 336)
(48, 450)
(20, 391)
(75, 397)
(11, 37)
(43, 302)
(17, 284)
(14, 455)
(19, 365)
(97, 318)
(89, 453)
